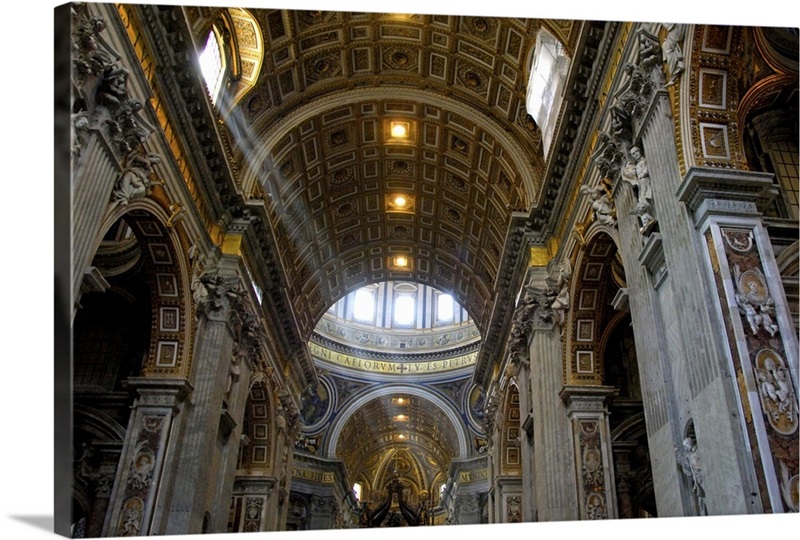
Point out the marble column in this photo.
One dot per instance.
(91, 193)
(112, 125)
(762, 351)
(229, 439)
(622, 475)
(272, 520)
(94, 165)
(656, 319)
(147, 452)
(103, 484)
(322, 512)
(688, 382)
(286, 428)
(494, 431)
(591, 444)
(209, 423)
(93, 481)
(467, 509)
(97, 512)
(528, 507)
(508, 500)
(711, 380)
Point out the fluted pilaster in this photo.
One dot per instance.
(553, 468)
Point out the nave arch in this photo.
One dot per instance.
(134, 325)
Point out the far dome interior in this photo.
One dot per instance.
(398, 317)
(419, 345)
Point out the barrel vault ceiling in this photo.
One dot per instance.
(386, 423)
(312, 142)
(315, 159)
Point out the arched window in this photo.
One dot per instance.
(548, 73)
(444, 308)
(230, 57)
(212, 64)
(404, 307)
(364, 305)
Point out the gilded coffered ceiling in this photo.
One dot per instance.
(313, 143)
(387, 423)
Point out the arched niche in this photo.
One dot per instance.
(165, 271)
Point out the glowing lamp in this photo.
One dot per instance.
(399, 130)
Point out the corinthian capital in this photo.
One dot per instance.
(217, 295)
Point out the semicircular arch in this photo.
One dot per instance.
(350, 409)
(172, 310)
(591, 280)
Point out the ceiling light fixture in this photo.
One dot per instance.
(399, 202)
(401, 261)
(399, 130)
(400, 418)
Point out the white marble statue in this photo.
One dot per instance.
(672, 47)
(689, 460)
(601, 204)
(637, 175)
(135, 181)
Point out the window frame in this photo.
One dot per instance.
(451, 311)
(543, 106)
(214, 36)
(356, 311)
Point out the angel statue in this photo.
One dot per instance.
(135, 181)
(601, 204)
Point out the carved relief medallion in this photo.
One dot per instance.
(775, 388)
(130, 521)
(142, 467)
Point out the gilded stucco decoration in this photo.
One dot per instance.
(712, 113)
(250, 48)
(510, 441)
